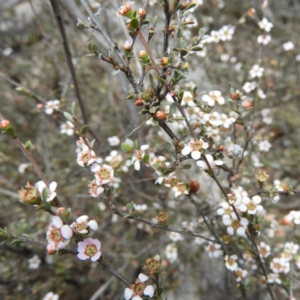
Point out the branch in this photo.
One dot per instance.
(57, 14)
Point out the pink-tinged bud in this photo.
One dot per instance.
(138, 102)
(60, 211)
(247, 104)
(124, 9)
(142, 12)
(50, 249)
(142, 54)
(194, 186)
(251, 12)
(40, 106)
(128, 44)
(4, 123)
(160, 115)
(164, 61)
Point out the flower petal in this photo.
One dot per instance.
(82, 256)
(66, 232)
(93, 225)
(196, 155)
(143, 277)
(149, 291)
(128, 293)
(96, 256)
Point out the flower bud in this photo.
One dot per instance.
(142, 54)
(128, 44)
(142, 12)
(50, 249)
(251, 12)
(164, 61)
(125, 9)
(4, 123)
(194, 186)
(160, 115)
(40, 106)
(138, 102)
(234, 151)
(80, 24)
(246, 104)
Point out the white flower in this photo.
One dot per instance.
(40, 186)
(23, 167)
(67, 128)
(171, 252)
(264, 39)
(195, 148)
(264, 146)
(251, 206)
(34, 262)
(58, 234)
(139, 289)
(203, 166)
(288, 46)
(138, 156)
(89, 248)
(213, 250)
(94, 189)
(51, 296)
(264, 249)
(51, 106)
(215, 35)
(180, 189)
(188, 98)
(256, 71)
(82, 223)
(113, 140)
(261, 94)
(279, 265)
(249, 87)
(274, 278)
(86, 157)
(213, 97)
(226, 32)
(7, 51)
(175, 236)
(239, 274)
(265, 25)
(103, 173)
(230, 262)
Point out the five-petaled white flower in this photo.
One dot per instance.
(82, 223)
(40, 186)
(58, 234)
(256, 71)
(213, 97)
(89, 248)
(51, 106)
(103, 173)
(203, 165)
(138, 156)
(265, 25)
(230, 262)
(195, 148)
(135, 291)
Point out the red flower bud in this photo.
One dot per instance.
(160, 115)
(194, 186)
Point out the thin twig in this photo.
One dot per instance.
(57, 14)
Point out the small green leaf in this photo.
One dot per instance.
(68, 116)
(154, 21)
(10, 131)
(196, 48)
(84, 129)
(169, 147)
(73, 108)
(45, 194)
(205, 37)
(145, 158)
(28, 146)
(173, 108)
(201, 32)
(187, 166)
(126, 147)
(135, 23)
(154, 109)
